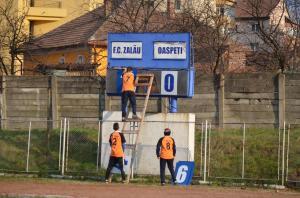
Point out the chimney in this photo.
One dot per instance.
(171, 8)
(108, 5)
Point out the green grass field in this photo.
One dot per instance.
(261, 153)
(44, 150)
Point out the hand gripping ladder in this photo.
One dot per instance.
(143, 82)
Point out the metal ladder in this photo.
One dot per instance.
(142, 81)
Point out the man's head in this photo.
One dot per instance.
(116, 126)
(167, 132)
(129, 69)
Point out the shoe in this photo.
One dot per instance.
(106, 181)
(174, 183)
(123, 119)
(124, 182)
(163, 183)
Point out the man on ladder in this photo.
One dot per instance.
(128, 92)
(128, 89)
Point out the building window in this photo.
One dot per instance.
(221, 11)
(62, 60)
(31, 3)
(190, 4)
(150, 3)
(80, 59)
(31, 29)
(255, 27)
(254, 46)
(177, 4)
(116, 3)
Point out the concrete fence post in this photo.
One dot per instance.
(108, 103)
(49, 106)
(164, 105)
(3, 103)
(281, 99)
(54, 102)
(221, 93)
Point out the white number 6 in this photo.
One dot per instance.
(182, 173)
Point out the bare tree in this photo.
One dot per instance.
(12, 36)
(277, 34)
(138, 16)
(294, 13)
(213, 31)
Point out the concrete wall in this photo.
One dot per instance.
(262, 99)
(205, 102)
(251, 98)
(292, 98)
(42, 98)
(23, 98)
(182, 126)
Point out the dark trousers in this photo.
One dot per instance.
(163, 163)
(131, 96)
(112, 162)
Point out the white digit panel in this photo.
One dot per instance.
(182, 174)
(169, 81)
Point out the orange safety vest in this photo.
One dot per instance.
(128, 81)
(167, 148)
(116, 145)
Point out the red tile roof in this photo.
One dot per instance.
(75, 32)
(255, 8)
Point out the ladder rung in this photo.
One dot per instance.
(130, 146)
(129, 132)
(131, 120)
(143, 84)
(145, 75)
(140, 107)
(141, 94)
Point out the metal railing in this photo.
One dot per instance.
(246, 153)
(240, 152)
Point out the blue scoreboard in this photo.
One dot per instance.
(168, 55)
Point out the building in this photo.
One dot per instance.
(82, 42)
(42, 16)
(68, 45)
(252, 18)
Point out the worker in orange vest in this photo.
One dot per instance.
(128, 92)
(166, 151)
(117, 142)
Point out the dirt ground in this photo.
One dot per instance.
(58, 188)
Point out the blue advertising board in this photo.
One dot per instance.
(184, 172)
(150, 50)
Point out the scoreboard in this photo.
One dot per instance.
(167, 55)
